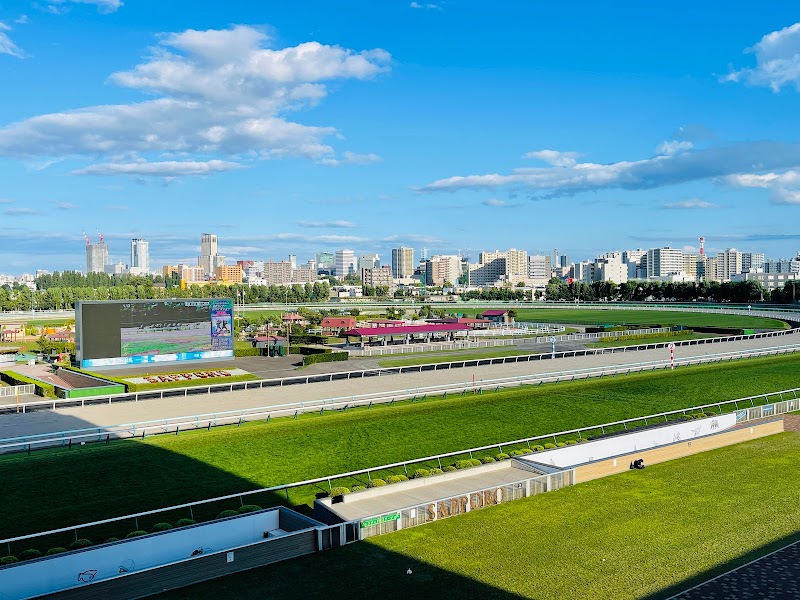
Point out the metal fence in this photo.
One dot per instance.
(412, 348)
(605, 334)
(771, 404)
(17, 390)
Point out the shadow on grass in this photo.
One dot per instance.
(61, 487)
(360, 570)
(776, 576)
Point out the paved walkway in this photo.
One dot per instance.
(129, 412)
(773, 577)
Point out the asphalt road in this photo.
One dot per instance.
(51, 421)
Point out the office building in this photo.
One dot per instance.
(344, 263)
(441, 269)
(140, 257)
(729, 263)
(540, 266)
(96, 256)
(367, 261)
(664, 261)
(229, 274)
(277, 273)
(209, 257)
(378, 277)
(325, 262)
(402, 262)
(752, 262)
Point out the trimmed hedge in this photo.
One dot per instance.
(160, 527)
(29, 554)
(396, 478)
(358, 488)
(137, 533)
(111, 540)
(248, 508)
(81, 543)
(448, 469)
(376, 483)
(502, 456)
(321, 358)
(184, 522)
(227, 513)
(56, 550)
(419, 473)
(8, 560)
(247, 351)
(486, 460)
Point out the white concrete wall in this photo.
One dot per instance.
(74, 569)
(625, 444)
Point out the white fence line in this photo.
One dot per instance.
(743, 414)
(605, 334)
(413, 348)
(174, 425)
(17, 390)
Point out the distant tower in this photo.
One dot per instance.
(555, 256)
(702, 246)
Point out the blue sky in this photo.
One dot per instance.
(456, 125)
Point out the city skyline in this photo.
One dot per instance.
(586, 130)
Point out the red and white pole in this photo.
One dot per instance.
(672, 356)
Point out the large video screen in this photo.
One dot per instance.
(133, 332)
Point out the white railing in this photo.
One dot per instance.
(769, 405)
(420, 348)
(175, 425)
(17, 390)
(605, 334)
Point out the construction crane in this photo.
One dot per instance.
(88, 242)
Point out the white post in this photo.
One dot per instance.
(672, 356)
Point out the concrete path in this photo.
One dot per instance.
(16, 425)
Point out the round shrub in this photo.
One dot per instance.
(560, 444)
(463, 464)
(339, 491)
(56, 550)
(111, 539)
(486, 460)
(571, 442)
(501, 456)
(515, 453)
(80, 543)
(549, 446)
(420, 473)
(475, 462)
(184, 522)
(227, 513)
(137, 533)
(160, 527)
(8, 560)
(537, 448)
(248, 508)
(448, 469)
(582, 441)
(357, 488)
(436, 471)
(376, 483)
(525, 451)
(396, 478)
(29, 554)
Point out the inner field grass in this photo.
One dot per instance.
(623, 341)
(97, 481)
(628, 536)
(426, 358)
(637, 317)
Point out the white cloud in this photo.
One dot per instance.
(218, 92)
(649, 173)
(494, 202)
(103, 6)
(19, 212)
(671, 147)
(7, 46)
(428, 6)
(21, 20)
(692, 204)
(777, 61)
(65, 205)
(338, 224)
(785, 187)
(160, 169)
(555, 158)
(350, 158)
(6, 201)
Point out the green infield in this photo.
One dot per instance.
(78, 485)
(427, 358)
(634, 341)
(648, 533)
(613, 316)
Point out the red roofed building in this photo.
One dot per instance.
(293, 319)
(332, 324)
(405, 334)
(497, 316)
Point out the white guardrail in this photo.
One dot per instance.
(769, 405)
(17, 390)
(324, 377)
(175, 425)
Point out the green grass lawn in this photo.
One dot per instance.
(648, 317)
(98, 481)
(648, 533)
(426, 358)
(627, 341)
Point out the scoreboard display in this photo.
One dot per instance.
(134, 332)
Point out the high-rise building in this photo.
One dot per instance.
(752, 262)
(378, 277)
(325, 262)
(96, 256)
(277, 273)
(633, 260)
(344, 263)
(209, 257)
(229, 274)
(402, 262)
(442, 268)
(540, 266)
(293, 260)
(368, 261)
(729, 263)
(664, 261)
(140, 256)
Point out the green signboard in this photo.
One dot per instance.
(376, 520)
